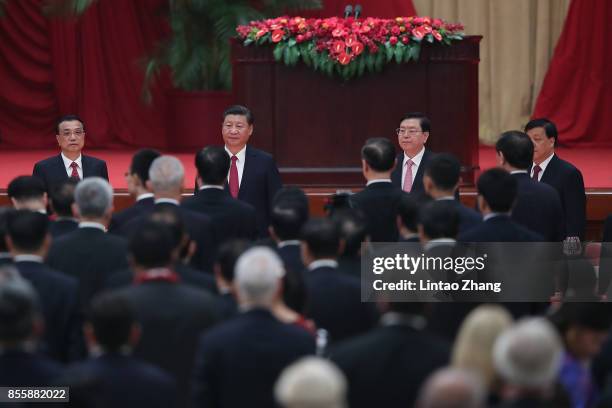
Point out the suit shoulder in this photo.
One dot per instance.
(94, 160)
(46, 162)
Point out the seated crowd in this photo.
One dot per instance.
(218, 300)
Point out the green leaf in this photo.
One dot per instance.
(294, 55)
(378, 64)
(399, 52)
(329, 67)
(414, 52)
(248, 41)
(305, 52)
(278, 51)
(361, 65)
(370, 59)
(291, 42)
(429, 38)
(389, 52)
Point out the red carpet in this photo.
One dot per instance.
(593, 163)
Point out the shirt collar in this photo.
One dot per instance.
(28, 258)
(401, 319)
(209, 186)
(288, 242)
(494, 214)
(385, 180)
(240, 155)
(446, 198)
(68, 162)
(92, 224)
(416, 159)
(321, 263)
(544, 164)
(144, 196)
(5, 255)
(437, 242)
(518, 172)
(166, 201)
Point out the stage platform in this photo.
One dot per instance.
(591, 161)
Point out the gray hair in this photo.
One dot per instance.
(257, 276)
(18, 306)
(529, 354)
(453, 388)
(93, 197)
(166, 174)
(311, 382)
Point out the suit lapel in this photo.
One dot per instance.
(59, 168)
(550, 170)
(86, 166)
(418, 178)
(246, 171)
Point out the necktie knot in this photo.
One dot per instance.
(536, 171)
(74, 165)
(234, 159)
(409, 163)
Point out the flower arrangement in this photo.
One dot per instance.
(348, 46)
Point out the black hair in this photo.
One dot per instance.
(439, 219)
(141, 162)
(27, 229)
(26, 188)
(379, 153)
(322, 237)
(151, 245)
(68, 118)
(423, 120)
(112, 319)
(517, 149)
(213, 164)
(62, 197)
(240, 110)
(549, 127)
(3, 231)
(353, 227)
(408, 209)
(589, 315)
(287, 219)
(444, 170)
(227, 256)
(498, 188)
(292, 194)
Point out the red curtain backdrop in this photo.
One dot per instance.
(50, 67)
(371, 8)
(577, 90)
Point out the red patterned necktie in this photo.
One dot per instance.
(75, 172)
(536, 171)
(233, 178)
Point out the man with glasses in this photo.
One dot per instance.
(70, 163)
(412, 135)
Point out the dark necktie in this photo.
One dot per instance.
(75, 172)
(233, 178)
(536, 171)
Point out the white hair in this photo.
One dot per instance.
(453, 388)
(257, 276)
(93, 197)
(166, 174)
(311, 382)
(529, 354)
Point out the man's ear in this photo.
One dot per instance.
(428, 184)
(501, 160)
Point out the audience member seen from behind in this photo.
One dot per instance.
(28, 193)
(353, 228)
(227, 256)
(61, 200)
(453, 388)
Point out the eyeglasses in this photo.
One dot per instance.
(411, 132)
(77, 133)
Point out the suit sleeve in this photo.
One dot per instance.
(273, 182)
(38, 172)
(605, 260)
(104, 171)
(575, 205)
(204, 375)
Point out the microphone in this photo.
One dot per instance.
(357, 11)
(348, 10)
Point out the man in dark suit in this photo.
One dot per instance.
(227, 256)
(253, 176)
(28, 240)
(172, 314)
(89, 254)
(562, 175)
(287, 218)
(334, 298)
(136, 177)
(537, 205)
(230, 218)
(61, 200)
(21, 326)
(5, 255)
(605, 260)
(412, 135)
(166, 176)
(408, 217)
(250, 350)
(386, 366)
(28, 193)
(112, 377)
(70, 163)
(380, 198)
(497, 191)
(353, 227)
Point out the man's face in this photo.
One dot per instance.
(71, 137)
(236, 132)
(411, 137)
(543, 146)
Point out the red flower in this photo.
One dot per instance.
(261, 33)
(357, 48)
(436, 35)
(300, 38)
(344, 58)
(395, 30)
(338, 46)
(277, 35)
(405, 39)
(393, 40)
(418, 33)
(426, 28)
(351, 40)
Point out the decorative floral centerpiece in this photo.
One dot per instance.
(348, 46)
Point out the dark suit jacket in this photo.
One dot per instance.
(22, 369)
(379, 202)
(260, 182)
(538, 208)
(62, 227)
(249, 352)
(116, 380)
(386, 367)
(605, 261)
(57, 294)
(568, 182)
(334, 303)
(198, 227)
(417, 184)
(468, 218)
(500, 229)
(172, 316)
(230, 218)
(90, 255)
(52, 171)
(291, 256)
(120, 218)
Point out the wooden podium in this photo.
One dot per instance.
(315, 125)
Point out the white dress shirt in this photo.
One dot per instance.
(543, 166)
(415, 167)
(239, 163)
(68, 162)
